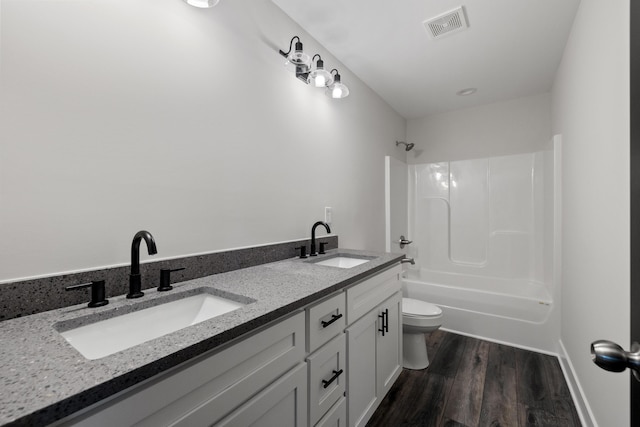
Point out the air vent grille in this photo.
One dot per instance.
(450, 22)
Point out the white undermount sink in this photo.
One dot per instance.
(343, 261)
(118, 333)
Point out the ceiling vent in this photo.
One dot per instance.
(450, 22)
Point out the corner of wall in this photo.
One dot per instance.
(577, 394)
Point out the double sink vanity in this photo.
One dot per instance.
(299, 342)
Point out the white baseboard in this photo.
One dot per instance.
(582, 406)
(503, 342)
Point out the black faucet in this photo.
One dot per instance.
(135, 283)
(313, 236)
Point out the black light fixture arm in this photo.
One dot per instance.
(336, 78)
(298, 44)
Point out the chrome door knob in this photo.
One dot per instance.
(403, 241)
(611, 357)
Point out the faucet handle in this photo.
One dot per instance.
(303, 251)
(97, 292)
(165, 279)
(322, 245)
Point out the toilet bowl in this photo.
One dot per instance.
(418, 317)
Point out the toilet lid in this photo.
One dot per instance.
(414, 307)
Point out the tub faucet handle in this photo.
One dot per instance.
(403, 241)
(408, 260)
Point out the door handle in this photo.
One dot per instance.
(385, 321)
(611, 357)
(382, 328)
(403, 241)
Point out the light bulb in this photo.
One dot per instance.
(319, 81)
(202, 3)
(336, 92)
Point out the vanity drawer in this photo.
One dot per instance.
(337, 415)
(368, 294)
(327, 377)
(325, 320)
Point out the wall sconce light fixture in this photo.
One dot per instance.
(202, 3)
(319, 77)
(337, 89)
(300, 63)
(297, 60)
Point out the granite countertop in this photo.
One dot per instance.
(44, 379)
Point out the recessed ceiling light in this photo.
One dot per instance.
(467, 91)
(202, 3)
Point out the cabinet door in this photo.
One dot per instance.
(389, 345)
(371, 292)
(282, 404)
(362, 390)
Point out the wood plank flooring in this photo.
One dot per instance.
(471, 382)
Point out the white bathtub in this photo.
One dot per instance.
(511, 311)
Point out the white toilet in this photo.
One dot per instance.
(418, 318)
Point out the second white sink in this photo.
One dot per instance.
(342, 262)
(118, 333)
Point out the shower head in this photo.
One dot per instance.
(407, 147)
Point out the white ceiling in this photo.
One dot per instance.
(511, 49)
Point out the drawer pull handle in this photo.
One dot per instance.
(334, 317)
(336, 374)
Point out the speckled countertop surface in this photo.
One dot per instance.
(44, 379)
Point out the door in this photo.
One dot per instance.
(361, 367)
(396, 203)
(609, 355)
(389, 344)
(635, 198)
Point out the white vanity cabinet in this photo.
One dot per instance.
(374, 343)
(328, 364)
(219, 387)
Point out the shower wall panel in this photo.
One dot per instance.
(469, 212)
(481, 217)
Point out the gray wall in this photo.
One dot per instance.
(517, 126)
(591, 111)
(122, 115)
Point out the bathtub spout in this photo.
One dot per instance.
(408, 260)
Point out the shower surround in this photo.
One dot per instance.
(483, 242)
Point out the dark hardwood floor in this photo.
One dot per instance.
(472, 383)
